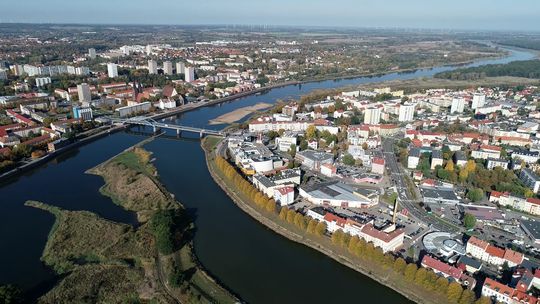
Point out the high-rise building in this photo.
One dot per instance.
(92, 53)
(372, 116)
(458, 105)
(112, 69)
(152, 67)
(180, 68)
(189, 74)
(406, 112)
(82, 113)
(478, 101)
(148, 50)
(167, 68)
(83, 90)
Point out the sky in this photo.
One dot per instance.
(522, 15)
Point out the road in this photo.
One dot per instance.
(405, 197)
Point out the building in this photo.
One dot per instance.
(82, 113)
(530, 157)
(285, 141)
(112, 70)
(3, 74)
(490, 254)
(530, 205)
(436, 159)
(530, 179)
(372, 115)
(505, 294)
(458, 105)
(406, 112)
(180, 68)
(447, 271)
(134, 109)
(478, 101)
(439, 195)
(337, 194)
(189, 74)
(460, 159)
(83, 90)
(314, 159)
(152, 67)
(496, 162)
(92, 53)
(167, 68)
(377, 165)
(531, 229)
(486, 152)
(42, 81)
(413, 159)
(389, 239)
(284, 195)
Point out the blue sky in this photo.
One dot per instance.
(451, 14)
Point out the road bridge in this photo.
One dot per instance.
(155, 125)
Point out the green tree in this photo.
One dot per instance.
(475, 195)
(10, 294)
(292, 150)
(469, 221)
(348, 160)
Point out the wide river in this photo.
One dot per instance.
(254, 262)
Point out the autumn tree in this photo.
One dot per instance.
(410, 272)
(399, 265)
(453, 294)
(467, 297)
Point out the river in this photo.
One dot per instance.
(254, 262)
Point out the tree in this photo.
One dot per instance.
(10, 294)
(453, 294)
(469, 221)
(283, 213)
(441, 285)
(292, 150)
(449, 166)
(399, 265)
(475, 195)
(312, 225)
(467, 297)
(348, 160)
(311, 132)
(420, 276)
(483, 300)
(320, 229)
(410, 272)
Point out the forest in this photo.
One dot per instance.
(526, 69)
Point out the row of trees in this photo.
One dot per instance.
(527, 68)
(359, 248)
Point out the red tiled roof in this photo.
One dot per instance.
(430, 262)
(478, 242)
(495, 251)
(513, 256)
(381, 235)
(329, 217)
(499, 287)
(533, 200)
(378, 161)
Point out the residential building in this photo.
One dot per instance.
(490, 254)
(406, 112)
(134, 109)
(189, 74)
(486, 151)
(389, 239)
(478, 101)
(83, 90)
(92, 53)
(414, 158)
(530, 179)
(496, 162)
(152, 67)
(377, 165)
(436, 159)
(180, 68)
(284, 195)
(448, 271)
(458, 105)
(505, 294)
(82, 113)
(3, 74)
(372, 115)
(529, 157)
(42, 81)
(112, 70)
(167, 68)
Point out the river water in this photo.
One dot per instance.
(254, 262)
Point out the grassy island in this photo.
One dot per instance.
(101, 261)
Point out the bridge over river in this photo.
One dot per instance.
(155, 125)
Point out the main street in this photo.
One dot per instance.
(405, 196)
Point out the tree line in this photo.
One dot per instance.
(363, 251)
(526, 68)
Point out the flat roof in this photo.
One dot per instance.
(533, 227)
(439, 193)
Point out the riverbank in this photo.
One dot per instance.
(236, 115)
(379, 273)
(151, 262)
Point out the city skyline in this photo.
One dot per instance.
(460, 14)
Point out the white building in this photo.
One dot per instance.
(372, 116)
(92, 53)
(112, 70)
(167, 68)
(458, 105)
(42, 81)
(180, 68)
(337, 194)
(152, 67)
(388, 239)
(189, 74)
(83, 90)
(284, 196)
(406, 112)
(530, 179)
(478, 101)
